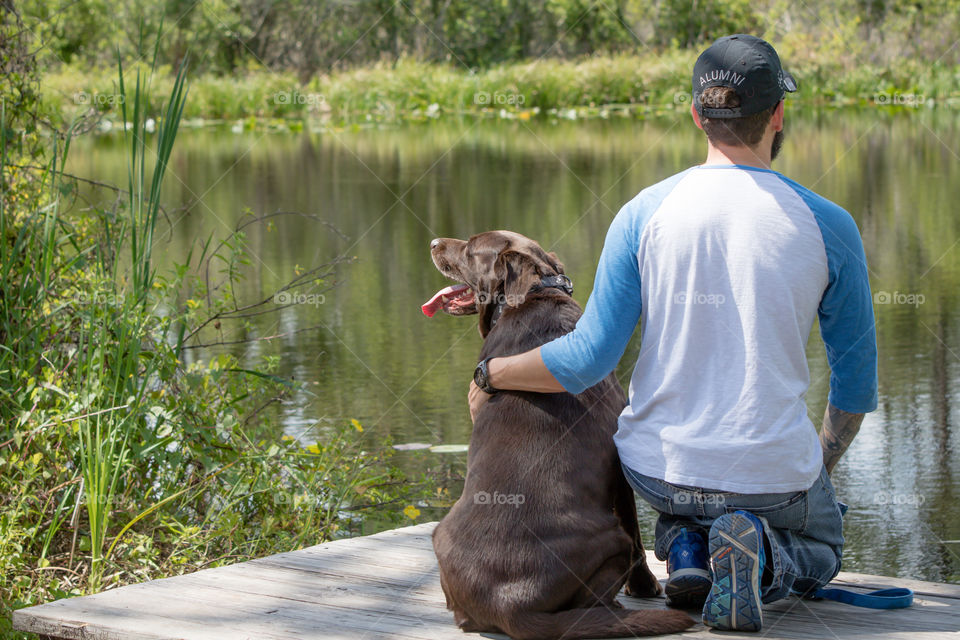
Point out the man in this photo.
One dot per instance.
(729, 264)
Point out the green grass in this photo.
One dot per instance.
(411, 90)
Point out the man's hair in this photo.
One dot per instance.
(747, 130)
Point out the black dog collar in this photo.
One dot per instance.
(560, 281)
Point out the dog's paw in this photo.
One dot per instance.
(642, 583)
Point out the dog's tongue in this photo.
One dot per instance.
(435, 303)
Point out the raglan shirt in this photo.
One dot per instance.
(729, 265)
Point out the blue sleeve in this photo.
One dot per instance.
(846, 309)
(586, 355)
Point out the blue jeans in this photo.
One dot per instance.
(804, 537)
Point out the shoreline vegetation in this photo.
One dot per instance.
(597, 86)
(381, 61)
(135, 443)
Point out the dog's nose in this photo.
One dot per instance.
(435, 243)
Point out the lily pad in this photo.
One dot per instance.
(448, 448)
(411, 446)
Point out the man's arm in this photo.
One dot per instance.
(839, 430)
(521, 372)
(847, 327)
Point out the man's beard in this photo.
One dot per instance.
(776, 144)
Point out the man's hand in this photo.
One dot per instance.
(477, 398)
(520, 372)
(839, 429)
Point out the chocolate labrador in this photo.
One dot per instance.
(545, 533)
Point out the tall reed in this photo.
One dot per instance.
(115, 362)
(144, 203)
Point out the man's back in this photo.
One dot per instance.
(733, 264)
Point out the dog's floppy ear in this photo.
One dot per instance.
(512, 275)
(488, 291)
(491, 272)
(521, 272)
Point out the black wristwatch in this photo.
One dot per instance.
(481, 377)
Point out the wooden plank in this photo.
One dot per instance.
(387, 586)
(104, 621)
(249, 616)
(383, 601)
(283, 582)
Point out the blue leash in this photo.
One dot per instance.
(895, 598)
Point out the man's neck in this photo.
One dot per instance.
(749, 156)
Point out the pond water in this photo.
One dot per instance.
(368, 353)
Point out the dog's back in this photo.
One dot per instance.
(535, 533)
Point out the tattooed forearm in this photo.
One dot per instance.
(839, 429)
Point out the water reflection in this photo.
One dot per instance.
(374, 357)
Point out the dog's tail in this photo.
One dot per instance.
(595, 622)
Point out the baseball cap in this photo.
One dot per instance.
(746, 64)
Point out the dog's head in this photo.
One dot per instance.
(492, 268)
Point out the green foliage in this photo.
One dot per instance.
(20, 99)
(382, 60)
(124, 456)
(479, 34)
(688, 24)
(69, 28)
(307, 36)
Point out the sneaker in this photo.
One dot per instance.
(689, 574)
(736, 555)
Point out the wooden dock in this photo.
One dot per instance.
(387, 586)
